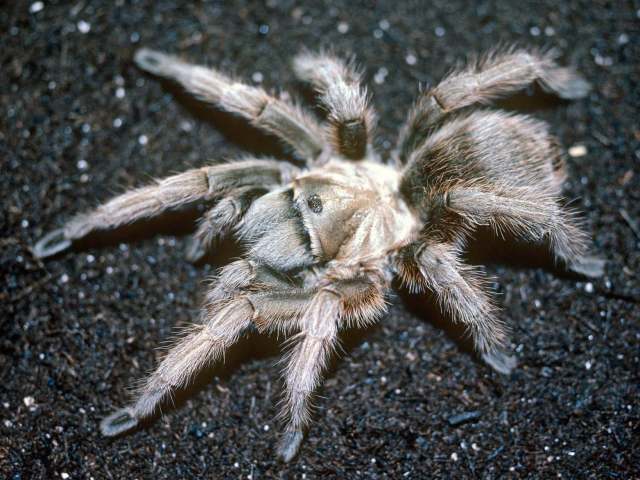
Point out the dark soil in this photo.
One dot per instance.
(78, 330)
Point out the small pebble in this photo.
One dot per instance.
(578, 151)
(143, 139)
(82, 164)
(29, 401)
(603, 61)
(535, 31)
(440, 31)
(257, 77)
(588, 287)
(120, 92)
(36, 7)
(410, 59)
(588, 364)
(343, 27)
(84, 27)
(117, 122)
(454, 456)
(64, 475)
(463, 418)
(380, 75)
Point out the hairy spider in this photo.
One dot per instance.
(324, 241)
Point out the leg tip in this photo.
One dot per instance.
(51, 244)
(150, 60)
(588, 266)
(500, 361)
(289, 445)
(576, 88)
(118, 422)
(566, 83)
(195, 250)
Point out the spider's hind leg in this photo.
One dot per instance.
(435, 265)
(277, 116)
(480, 83)
(534, 217)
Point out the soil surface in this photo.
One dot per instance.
(407, 400)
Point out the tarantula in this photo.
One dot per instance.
(323, 242)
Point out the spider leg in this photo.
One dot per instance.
(534, 217)
(460, 291)
(227, 313)
(217, 222)
(279, 309)
(246, 292)
(351, 118)
(170, 193)
(276, 116)
(494, 76)
(204, 344)
(356, 299)
(307, 359)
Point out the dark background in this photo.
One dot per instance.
(79, 330)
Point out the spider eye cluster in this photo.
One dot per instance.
(315, 203)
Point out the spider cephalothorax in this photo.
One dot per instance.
(324, 240)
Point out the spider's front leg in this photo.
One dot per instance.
(178, 191)
(276, 116)
(434, 265)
